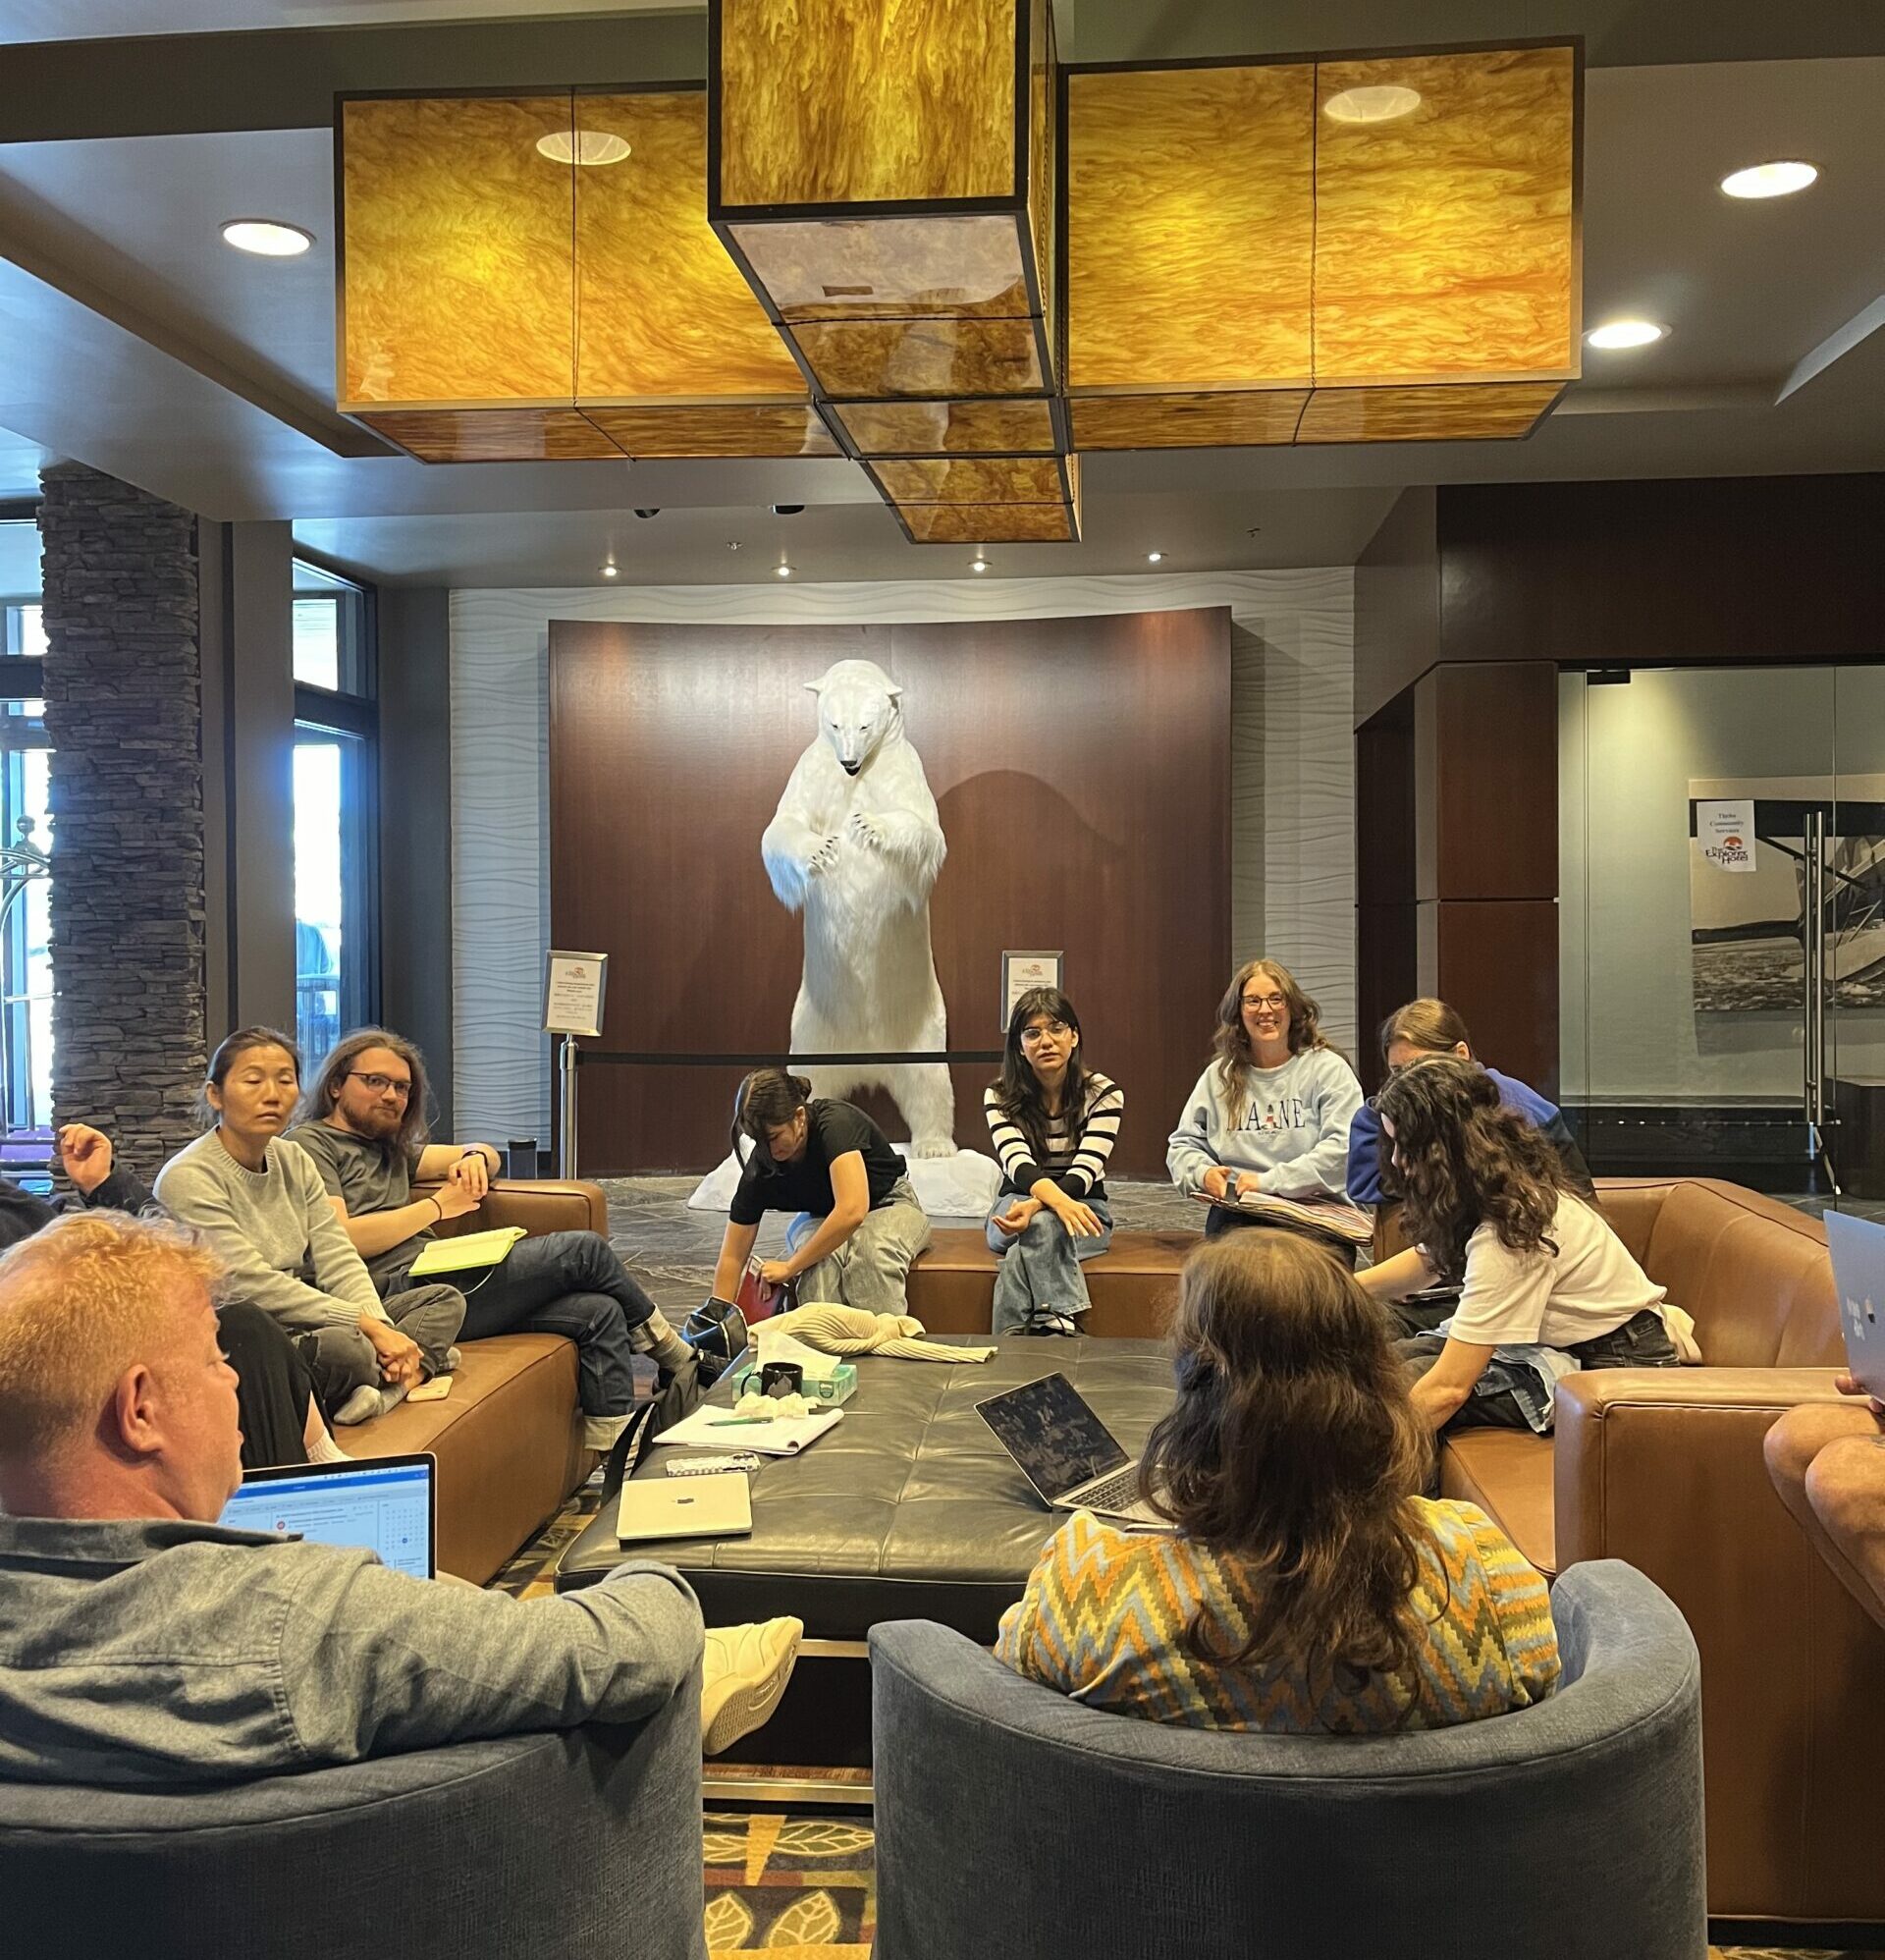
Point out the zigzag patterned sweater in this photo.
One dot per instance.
(1105, 1612)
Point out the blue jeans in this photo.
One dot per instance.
(571, 1284)
(1039, 1271)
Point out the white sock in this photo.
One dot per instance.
(361, 1406)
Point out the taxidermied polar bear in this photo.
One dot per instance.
(855, 845)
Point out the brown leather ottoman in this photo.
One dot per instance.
(951, 1286)
(908, 1509)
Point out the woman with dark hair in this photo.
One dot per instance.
(857, 1223)
(259, 1202)
(1053, 1123)
(1305, 1583)
(1272, 1113)
(1546, 1287)
(1418, 1032)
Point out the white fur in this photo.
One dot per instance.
(855, 845)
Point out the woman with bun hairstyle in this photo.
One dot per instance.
(1546, 1288)
(1273, 1112)
(1053, 1122)
(857, 1224)
(1418, 1032)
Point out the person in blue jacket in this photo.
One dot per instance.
(1414, 1033)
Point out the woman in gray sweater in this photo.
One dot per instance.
(259, 1202)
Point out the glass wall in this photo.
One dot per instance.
(336, 782)
(1722, 921)
(25, 842)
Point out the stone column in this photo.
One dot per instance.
(124, 714)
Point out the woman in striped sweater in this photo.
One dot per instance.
(1053, 1123)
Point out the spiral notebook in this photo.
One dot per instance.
(713, 1426)
(466, 1252)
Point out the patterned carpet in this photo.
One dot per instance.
(796, 1888)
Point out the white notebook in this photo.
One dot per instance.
(711, 1428)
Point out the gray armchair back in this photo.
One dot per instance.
(1010, 1820)
(585, 1842)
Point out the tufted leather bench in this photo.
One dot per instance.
(951, 1286)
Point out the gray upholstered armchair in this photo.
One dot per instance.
(1010, 1820)
(586, 1842)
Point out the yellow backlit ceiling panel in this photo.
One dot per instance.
(1446, 239)
(865, 101)
(494, 435)
(1188, 421)
(1013, 479)
(662, 312)
(1191, 221)
(948, 428)
(720, 428)
(456, 266)
(890, 268)
(1465, 411)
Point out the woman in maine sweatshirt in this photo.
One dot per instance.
(1272, 1113)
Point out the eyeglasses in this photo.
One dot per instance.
(1274, 1001)
(1032, 1037)
(379, 1085)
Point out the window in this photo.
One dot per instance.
(336, 804)
(25, 842)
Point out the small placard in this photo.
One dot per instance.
(1725, 829)
(572, 991)
(1021, 971)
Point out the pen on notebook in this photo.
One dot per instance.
(738, 1422)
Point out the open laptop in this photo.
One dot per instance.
(716, 1505)
(1066, 1452)
(386, 1504)
(1857, 1246)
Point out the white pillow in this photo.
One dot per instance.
(963, 1186)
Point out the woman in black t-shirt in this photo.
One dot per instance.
(858, 1225)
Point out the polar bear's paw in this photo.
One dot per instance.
(824, 857)
(867, 831)
(932, 1146)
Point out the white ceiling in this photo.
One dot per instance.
(131, 337)
(98, 19)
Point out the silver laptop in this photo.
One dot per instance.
(1066, 1452)
(716, 1505)
(1857, 1246)
(386, 1504)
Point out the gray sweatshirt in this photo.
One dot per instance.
(274, 1230)
(139, 1651)
(1293, 1130)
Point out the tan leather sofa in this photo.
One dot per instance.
(508, 1438)
(1663, 1468)
(951, 1286)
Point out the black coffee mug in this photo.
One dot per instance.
(780, 1378)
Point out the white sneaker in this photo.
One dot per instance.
(744, 1675)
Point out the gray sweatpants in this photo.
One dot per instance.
(870, 1268)
(342, 1359)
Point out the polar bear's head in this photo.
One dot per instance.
(857, 710)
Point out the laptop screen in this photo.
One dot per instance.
(1058, 1440)
(1857, 1247)
(384, 1506)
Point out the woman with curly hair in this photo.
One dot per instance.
(1546, 1287)
(1273, 1111)
(1304, 1585)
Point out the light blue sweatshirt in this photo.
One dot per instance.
(1293, 1130)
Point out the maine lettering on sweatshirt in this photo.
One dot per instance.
(1292, 1131)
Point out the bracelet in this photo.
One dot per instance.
(437, 1206)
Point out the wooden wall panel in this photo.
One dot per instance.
(1487, 781)
(1497, 961)
(1081, 768)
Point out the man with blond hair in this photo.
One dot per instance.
(249, 1653)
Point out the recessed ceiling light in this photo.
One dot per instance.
(978, 563)
(1154, 557)
(782, 570)
(609, 569)
(1614, 334)
(267, 238)
(587, 146)
(1769, 180)
(1372, 105)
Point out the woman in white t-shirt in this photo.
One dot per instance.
(1546, 1287)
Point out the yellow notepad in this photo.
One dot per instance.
(469, 1249)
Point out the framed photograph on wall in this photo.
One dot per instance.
(1021, 971)
(574, 986)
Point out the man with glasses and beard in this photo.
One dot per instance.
(363, 1121)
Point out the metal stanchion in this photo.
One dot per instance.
(567, 1109)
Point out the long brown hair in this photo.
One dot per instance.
(324, 1092)
(1231, 1041)
(1294, 1445)
(1462, 1161)
(1018, 1089)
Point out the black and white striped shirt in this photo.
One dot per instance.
(1076, 1156)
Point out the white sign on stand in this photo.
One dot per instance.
(573, 985)
(1020, 973)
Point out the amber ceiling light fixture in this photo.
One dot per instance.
(1381, 102)
(882, 173)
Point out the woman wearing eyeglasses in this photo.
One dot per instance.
(1053, 1123)
(1271, 1114)
(1418, 1032)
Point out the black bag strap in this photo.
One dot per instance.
(637, 1433)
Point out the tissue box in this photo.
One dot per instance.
(840, 1388)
